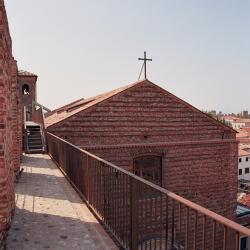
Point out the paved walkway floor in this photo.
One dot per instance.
(49, 214)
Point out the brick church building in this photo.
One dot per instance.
(149, 131)
(140, 127)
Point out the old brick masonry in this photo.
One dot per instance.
(10, 125)
(199, 153)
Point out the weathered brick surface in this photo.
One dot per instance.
(26, 100)
(204, 173)
(9, 139)
(16, 120)
(199, 153)
(142, 111)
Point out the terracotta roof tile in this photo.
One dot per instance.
(246, 120)
(245, 200)
(245, 129)
(71, 109)
(243, 140)
(241, 133)
(239, 121)
(242, 152)
(67, 105)
(243, 149)
(229, 117)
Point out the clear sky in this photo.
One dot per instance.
(80, 48)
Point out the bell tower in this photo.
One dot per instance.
(27, 91)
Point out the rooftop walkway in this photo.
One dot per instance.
(49, 213)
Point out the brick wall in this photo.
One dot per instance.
(9, 124)
(204, 173)
(16, 120)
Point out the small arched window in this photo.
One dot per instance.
(149, 167)
(25, 89)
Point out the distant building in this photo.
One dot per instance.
(244, 163)
(212, 112)
(244, 113)
(236, 122)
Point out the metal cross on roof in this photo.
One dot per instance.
(145, 59)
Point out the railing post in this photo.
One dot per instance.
(24, 117)
(87, 179)
(134, 216)
(103, 168)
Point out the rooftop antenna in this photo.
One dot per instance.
(144, 65)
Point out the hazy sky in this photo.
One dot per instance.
(80, 48)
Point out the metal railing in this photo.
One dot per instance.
(139, 214)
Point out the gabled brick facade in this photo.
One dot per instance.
(199, 154)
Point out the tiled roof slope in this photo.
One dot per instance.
(82, 105)
(243, 140)
(242, 133)
(66, 106)
(242, 152)
(245, 200)
(25, 73)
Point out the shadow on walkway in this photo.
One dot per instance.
(40, 180)
(32, 230)
(49, 213)
(34, 161)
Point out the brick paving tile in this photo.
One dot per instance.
(49, 214)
